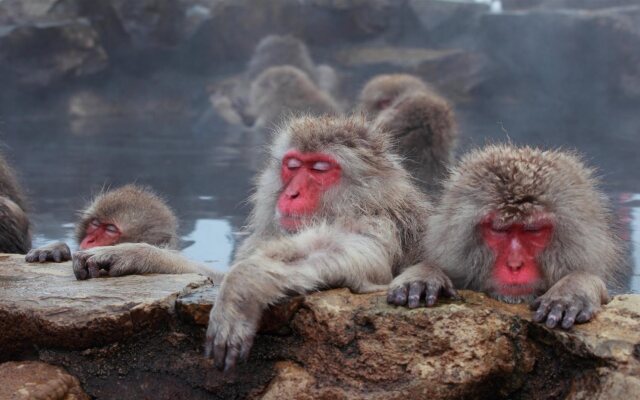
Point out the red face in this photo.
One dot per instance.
(100, 234)
(305, 177)
(516, 247)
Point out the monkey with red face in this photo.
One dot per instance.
(333, 208)
(129, 214)
(526, 225)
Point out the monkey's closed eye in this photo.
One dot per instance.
(294, 163)
(95, 223)
(112, 229)
(321, 166)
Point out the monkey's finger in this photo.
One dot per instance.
(431, 296)
(555, 315)
(230, 361)
(42, 257)
(66, 253)
(92, 268)
(542, 311)
(400, 296)
(31, 256)
(570, 316)
(246, 348)
(416, 289)
(219, 352)
(57, 256)
(450, 292)
(80, 266)
(585, 315)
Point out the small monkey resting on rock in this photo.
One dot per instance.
(526, 225)
(129, 214)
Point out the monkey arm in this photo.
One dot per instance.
(420, 281)
(574, 298)
(135, 258)
(56, 252)
(317, 258)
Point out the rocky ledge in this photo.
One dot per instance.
(141, 337)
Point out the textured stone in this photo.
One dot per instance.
(44, 304)
(32, 380)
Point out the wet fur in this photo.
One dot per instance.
(15, 228)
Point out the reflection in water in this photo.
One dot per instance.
(212, 243)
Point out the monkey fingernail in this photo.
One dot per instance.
(551, 322)
(567, 323)
(414, 301)
(431, 300)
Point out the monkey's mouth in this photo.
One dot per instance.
(515, 290)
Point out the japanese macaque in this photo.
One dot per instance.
(277, 50)
(423, 127)
(333, 208)
(383, 90)
(129, 214)
(15, 229)
(281, 91)
(526, 225)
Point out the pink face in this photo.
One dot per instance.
(100, 234)
(516, 248)
(305, 177)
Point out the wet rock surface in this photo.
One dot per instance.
(141, 337)
(30, 380)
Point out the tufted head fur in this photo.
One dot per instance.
(137, 211)
(515, 183)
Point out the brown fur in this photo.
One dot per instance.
(15, 228)
(140, 214)
(584, 252)
(137, 211)
(388, 88)
(424, 130)
(284, 90)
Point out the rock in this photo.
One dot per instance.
(44, 305)
(448, 21)
(40, 54)
(455, 72)
(122, 339)
(569, 54)
(35, 380)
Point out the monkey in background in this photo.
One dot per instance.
(333, 208)
(232, 100)
(421, 122)
(526, 225)
(129, 214)
(423, 127)
(278, 50)
(380, 92)
(285, 90)
(15, 228)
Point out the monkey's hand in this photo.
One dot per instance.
(118, 260)
(575, 298)
(420, 282)
(56, 252)
(233, 321)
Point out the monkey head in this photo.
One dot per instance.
(513, 221)
(323, 168)
(382, 91)
(276, 50)
(127, 214)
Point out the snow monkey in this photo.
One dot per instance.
(383, 90)
(130, 213)
(423, 128)
(280, 91)
(15, 229)
(333, 208)
(278, 50)
(526, 225)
